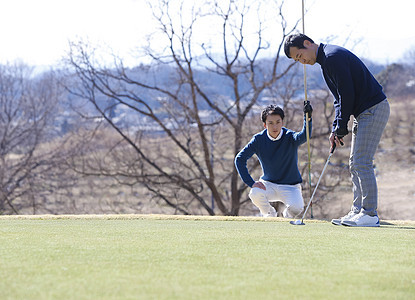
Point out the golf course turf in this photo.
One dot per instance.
(196, 257)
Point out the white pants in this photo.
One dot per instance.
(290, 195)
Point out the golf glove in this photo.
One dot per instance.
(341, 132)
(307, 108)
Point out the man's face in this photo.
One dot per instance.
(306, 56)
(273, 124)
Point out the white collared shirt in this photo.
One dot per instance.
(277, 138)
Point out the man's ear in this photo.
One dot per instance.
(307, 43)
(265, 125)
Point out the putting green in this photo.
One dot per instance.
(185, 257)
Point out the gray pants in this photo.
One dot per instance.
(367, 131)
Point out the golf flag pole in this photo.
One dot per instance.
(307, 125)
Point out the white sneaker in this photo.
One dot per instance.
(347, 217)
(362, 220)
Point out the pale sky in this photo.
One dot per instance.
(37, 31)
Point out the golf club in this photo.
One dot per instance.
(300, 222)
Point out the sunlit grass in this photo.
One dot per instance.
(187, 257)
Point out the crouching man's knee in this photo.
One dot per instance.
(257, 195)
(259, 199)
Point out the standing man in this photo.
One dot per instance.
(276, 148)
(356, 92)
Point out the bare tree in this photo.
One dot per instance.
(202, 129)
(27, 104)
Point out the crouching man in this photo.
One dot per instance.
(276, 147)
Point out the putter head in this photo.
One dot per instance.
(297, 222)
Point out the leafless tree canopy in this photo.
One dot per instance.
(202, 129)
(26, 149)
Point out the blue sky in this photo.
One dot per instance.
(37, 32)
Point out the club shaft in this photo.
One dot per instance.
(318, 182)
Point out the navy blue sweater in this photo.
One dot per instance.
(351, 83)
(278, 158)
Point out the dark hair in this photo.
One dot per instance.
(295, 40)
(271, 109)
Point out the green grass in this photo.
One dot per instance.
(156, 257)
